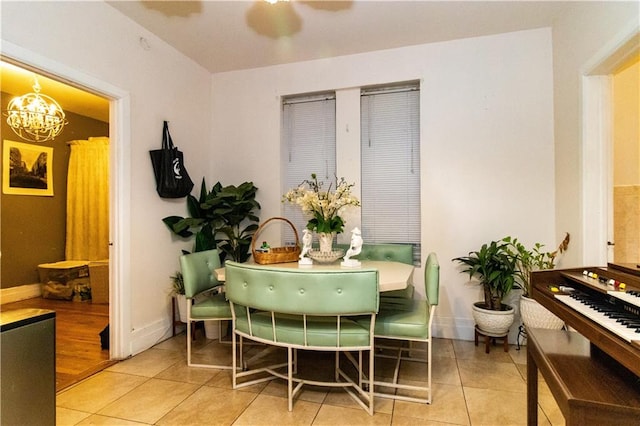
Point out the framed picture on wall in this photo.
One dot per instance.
(27, 169)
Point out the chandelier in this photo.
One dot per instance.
(35, 117)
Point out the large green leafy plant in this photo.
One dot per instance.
(534, 259)
(222, 218)
(496, 270)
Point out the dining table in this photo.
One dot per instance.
(391, 275)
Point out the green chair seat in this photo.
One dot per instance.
(403, 319)
(210, 307)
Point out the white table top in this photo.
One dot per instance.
(392, 275)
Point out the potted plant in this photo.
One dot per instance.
(496, 270)
(534, 314)
(178, 292)
(221, 218)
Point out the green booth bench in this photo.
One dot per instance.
(304, 309)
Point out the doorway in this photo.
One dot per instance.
(45, 240)
(626, 163)
(119, 197)
(597, 150)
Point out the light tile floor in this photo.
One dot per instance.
(156, 387)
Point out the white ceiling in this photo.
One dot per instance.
(232, 35)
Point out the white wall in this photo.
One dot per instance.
(487, 154)
(94, 42)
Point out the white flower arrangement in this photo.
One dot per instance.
(324, 207)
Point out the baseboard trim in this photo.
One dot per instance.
(464, 329)
(22, 292)
(148, 336)
(453, 328)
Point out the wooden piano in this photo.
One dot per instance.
(594, 371)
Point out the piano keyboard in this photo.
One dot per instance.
(632, 297)
(615, 319)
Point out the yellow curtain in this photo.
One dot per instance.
(88, 200)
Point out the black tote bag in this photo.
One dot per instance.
(172, 179)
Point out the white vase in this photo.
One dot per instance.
(494, 323)
(326, 241)
(182, 307)
(211, 329)
(534, 315)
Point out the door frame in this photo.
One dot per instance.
(597, 144)
(119, 192)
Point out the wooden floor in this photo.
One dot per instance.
(78, 327)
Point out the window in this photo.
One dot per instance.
(389, 156)
(390, 153)
(309, 146)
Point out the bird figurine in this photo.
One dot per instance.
(354, 249)
(307, 239)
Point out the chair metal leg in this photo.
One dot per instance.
(189, 334)
(429, 358)
(372, 358)
(190, 338)
(295, 361)
(290, 378)
(360, 367)
(394, 382)
(242, 363)
(234, 362)
(219, 331)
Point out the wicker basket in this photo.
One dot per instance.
(275, 254)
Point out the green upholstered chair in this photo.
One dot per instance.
(204, 301)
(392, 253)
(408, 321)
(300, 309)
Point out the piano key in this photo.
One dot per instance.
(632, 297)
(603, 320)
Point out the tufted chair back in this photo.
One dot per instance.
(198, 271)
(432, 279)
(302, 291)
(388, 252)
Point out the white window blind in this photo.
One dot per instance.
(309, 144)
(390, 150)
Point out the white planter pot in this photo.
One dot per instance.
(211, 329)
(182, 307)
(495, 323)
(534, 315)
